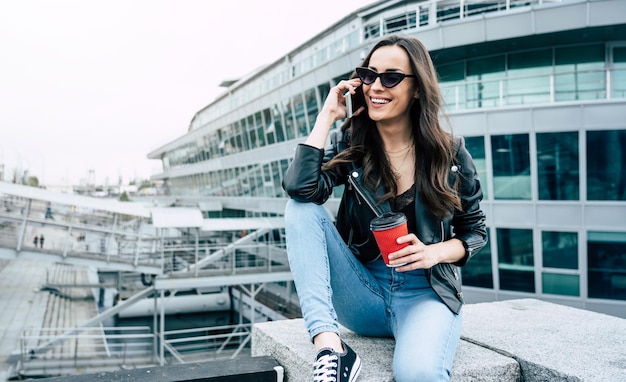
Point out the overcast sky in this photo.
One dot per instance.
(96, 85)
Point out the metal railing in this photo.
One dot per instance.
(215, 342)
(130, 242)
(90, 347)
(547, 88)
(101, 348)
(460, 9)
(433, 12)
(68, 231)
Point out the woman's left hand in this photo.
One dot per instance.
(418, 255)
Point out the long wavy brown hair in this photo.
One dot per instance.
(434, 151)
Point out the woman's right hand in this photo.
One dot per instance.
(334, 109)
(335, 104)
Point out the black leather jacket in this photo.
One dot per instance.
(304, 181)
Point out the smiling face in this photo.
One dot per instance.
(390, 105)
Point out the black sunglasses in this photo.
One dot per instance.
(388, 79)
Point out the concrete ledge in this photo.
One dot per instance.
(551, 342)
(287, 341)
(517, 340)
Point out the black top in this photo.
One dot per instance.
(405, 203)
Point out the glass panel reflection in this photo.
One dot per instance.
(565, 285)
(511, 166)
(288, 118)
(606, 262)
(606, 165)
(560, 249)
(580, 72)
(528, 77)
(618, 74)
(484, 77)
(557, 166)
(278, 123)
(258, 120)
(515, 259)
(478, 272)
(311, 107)
(476, 147)
(299, 112)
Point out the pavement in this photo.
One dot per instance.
(22, 305)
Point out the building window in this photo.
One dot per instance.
(618, 72)
(423, 15)
(560, 251)
(239, 139)
(606, 165)
(561, 284)
(324, 90)
(269, 128)
(300, 114)
(476, 147)
(277, 123)
(528, 77)
(606, 265)
(569, 73)
(251, 134)
(580, 73)
(276, 179)
(268, 184)
(452, 77)
(557, 166)
(311, 106)
(288, 117)
(484, 77)
(401, 22)
(511, 166)
(478, 272)
(260, 128)
(515, 259)
(371, 31)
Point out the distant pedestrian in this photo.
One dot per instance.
(41, 239)
(35, 241)
(49, 213)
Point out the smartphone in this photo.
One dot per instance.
(355, 101)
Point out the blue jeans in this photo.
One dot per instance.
(370, 299)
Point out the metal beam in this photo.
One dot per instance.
(218, 254)
(11, 254)
(204, 282)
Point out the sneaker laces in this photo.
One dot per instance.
(325, 368)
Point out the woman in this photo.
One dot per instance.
(392, 156)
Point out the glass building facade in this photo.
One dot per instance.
(543, 115)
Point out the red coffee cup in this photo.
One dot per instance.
(386, 229)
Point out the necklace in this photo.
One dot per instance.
(397, 173)
(399, 151)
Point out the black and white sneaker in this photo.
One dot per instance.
(331, 366)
